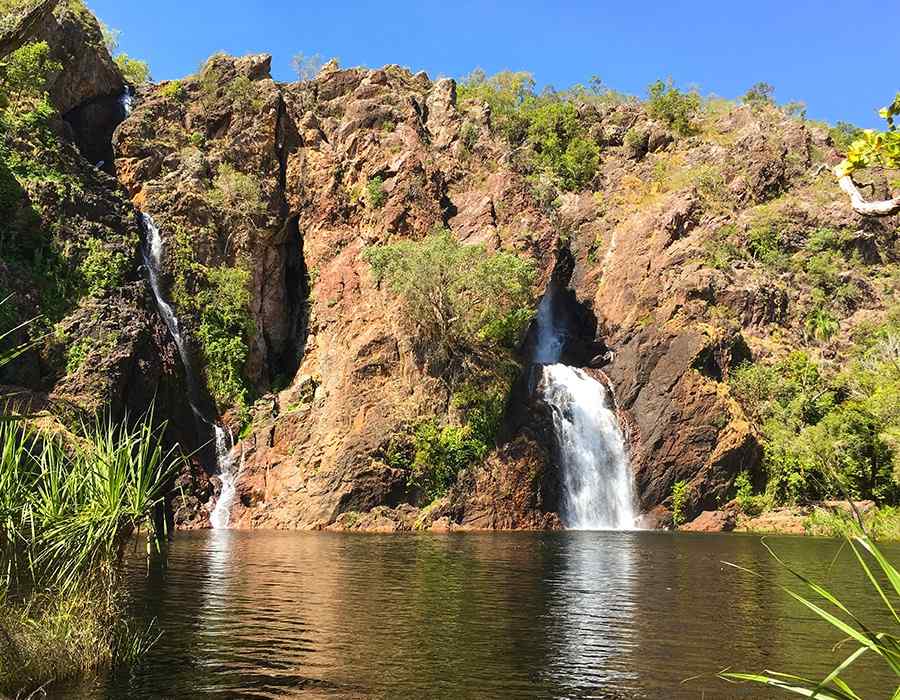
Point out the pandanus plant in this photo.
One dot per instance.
(885, 644)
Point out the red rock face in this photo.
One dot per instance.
(636, 267)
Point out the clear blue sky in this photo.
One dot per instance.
(841, 57)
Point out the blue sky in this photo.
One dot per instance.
(842, 58)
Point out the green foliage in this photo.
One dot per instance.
(884, 645)
(508, 95)
(746, 501)
(881, 523)
(843, 134)
(103, 269)
(223, 304)
(244, 94)
(765, 245)
(173, 90)
(759, 95)
(680, 495)
(239, 91)
(548, 124)
(375, 194)
(555, 134)
(722, 249)
(67, 510)
(77, 353)
(134, 71)
(677, 109)
(24, 74)
(439, 453)
(876, 148)
(466, 307)
(829, 435)
(820, 324)
(238, 196)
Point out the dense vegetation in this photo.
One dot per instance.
(830, 432)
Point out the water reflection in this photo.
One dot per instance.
(551, 615)
(591, 611)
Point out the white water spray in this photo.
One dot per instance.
(597, 483)
(152, 254)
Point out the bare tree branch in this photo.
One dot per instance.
(885, 207)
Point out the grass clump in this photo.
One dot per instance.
(883, 644)
(68, 508)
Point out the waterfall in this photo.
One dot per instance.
(221, 515)
(151, 252)
(596, 480)
(126, 100)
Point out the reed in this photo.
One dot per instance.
(885, 644)
(68, 508)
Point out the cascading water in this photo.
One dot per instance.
(126, 101)
(221, 515)
(152, 255)
(597, 484)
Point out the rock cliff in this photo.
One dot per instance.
(242, 173)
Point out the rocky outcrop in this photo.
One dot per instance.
(666, 326)
(290, 183)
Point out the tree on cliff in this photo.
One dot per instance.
(463, 303)
(873, 149)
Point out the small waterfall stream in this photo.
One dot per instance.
(151, 252)
(597, 484)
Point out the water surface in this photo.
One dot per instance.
(517, 615)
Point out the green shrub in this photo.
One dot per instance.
(548, 123)
(173, 90)
(77, 353)
(237, 196)
(24, 74)
(134, 71)
(820, 324)
(828, 435)
(375, 194)
(103, 269)
(843, 134)
(580, 163)
(748, 503)
(764, 245)
(508, 95)
(677, 109)
(680, 495)
(223, 304)
(465, 306)
(636, 142)
(759, 95)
